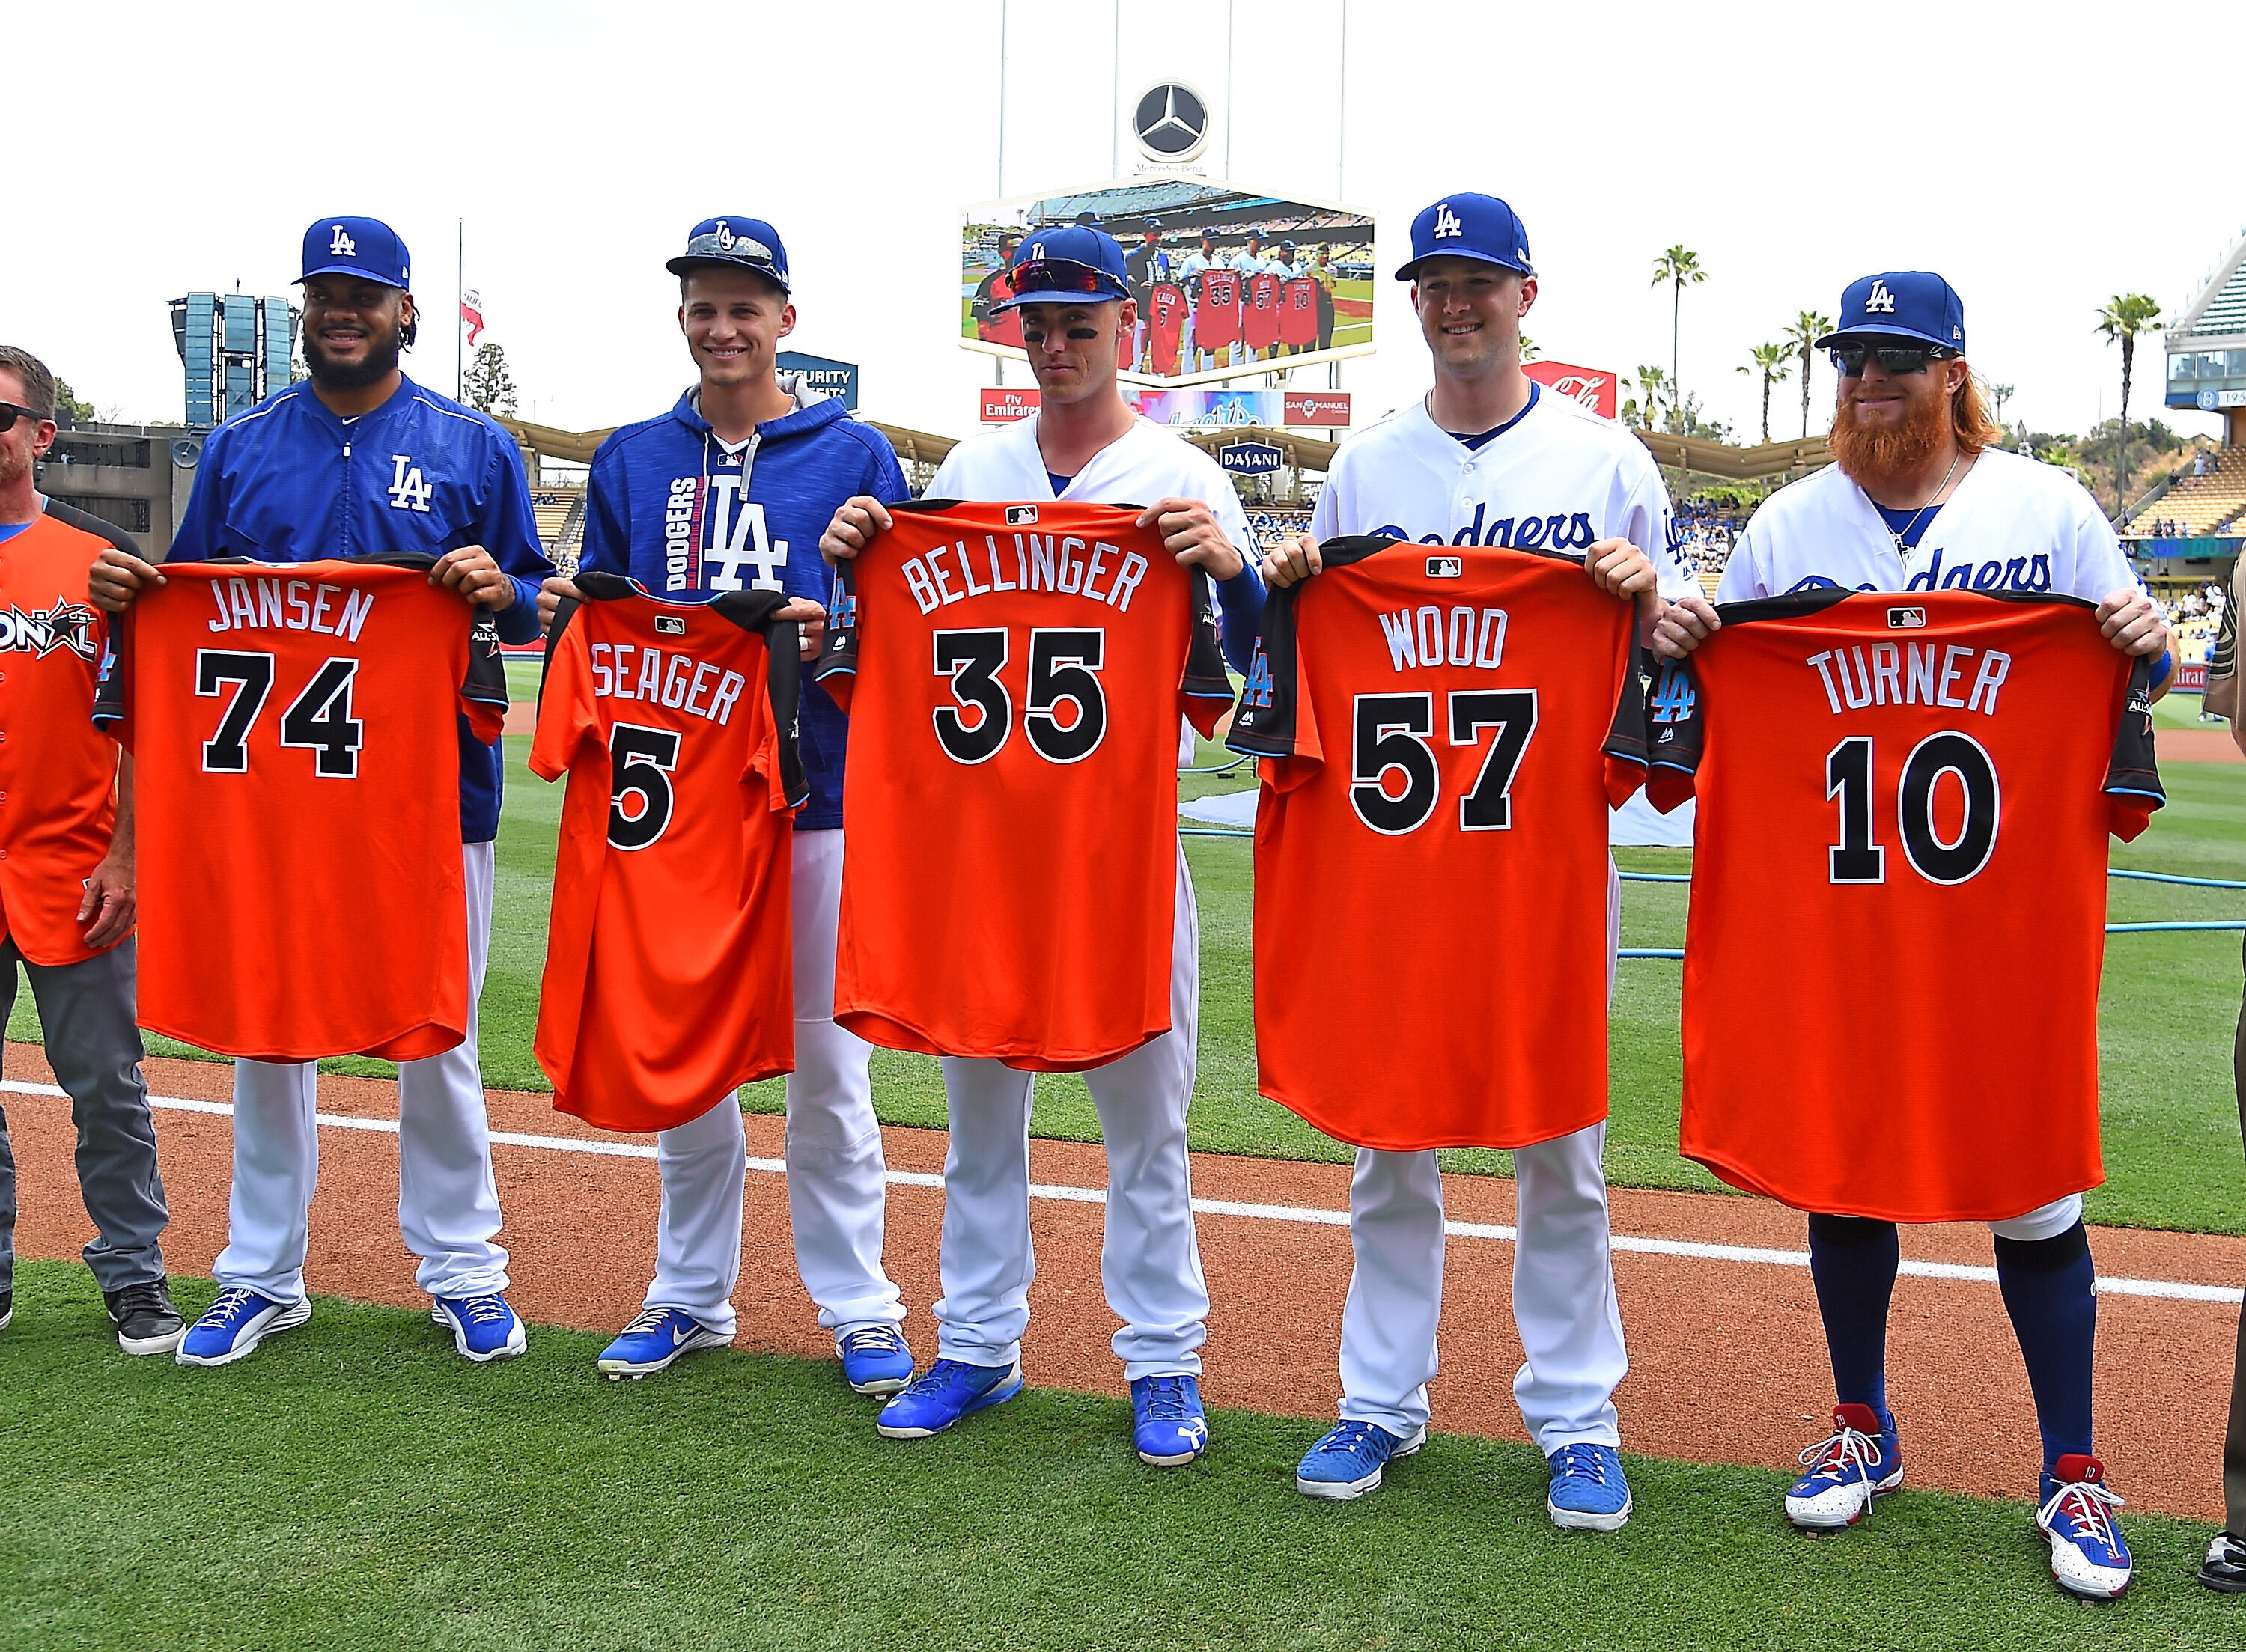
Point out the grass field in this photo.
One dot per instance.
(2169, 1004)
(357, 1484)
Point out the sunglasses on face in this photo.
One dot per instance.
(1849, 359)
(1063, 275)
(10, 413)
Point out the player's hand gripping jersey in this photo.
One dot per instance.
(294, 728)
(669, 981)
(1899, 894)
(1442, 732)
(1014, 675)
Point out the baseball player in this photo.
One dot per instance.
(1250, 263)
(1084, 443)
(66, 904)
(2224, 1568)
(1146, 264)
(1919, 497)
(360, 460)
(1485, 449)
(1202, 257)
(752, 467)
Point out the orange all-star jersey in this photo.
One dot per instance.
(1166, 305)
(669, 982)
(1014, 676)
(1442, 731)
(1298, 311)
(1216, 321)
(1259, 317)
(1899, 894)
(57, 772)
(296, 775)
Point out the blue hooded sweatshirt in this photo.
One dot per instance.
(672, 507)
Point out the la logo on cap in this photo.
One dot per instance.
(724, 236)
(342, 246)
(1880, 301)
(1446, 223)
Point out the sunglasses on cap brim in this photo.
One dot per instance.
(1064, 278)
(10, 413)
(1849, 359)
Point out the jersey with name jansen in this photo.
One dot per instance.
(296, 780)
(1014, 675)
(1899, 894)
(669, 982)
(1442, 733)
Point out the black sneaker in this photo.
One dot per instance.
(2225, 1567)
(147, 1322)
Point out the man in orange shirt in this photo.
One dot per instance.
(66, 873)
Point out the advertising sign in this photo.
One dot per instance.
(1224, 280)
(2190, 678)
(1250, 458)
(823, 374)
(1593, 387)
(1197, 409)
(2209, 400)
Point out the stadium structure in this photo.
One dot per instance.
(2203, 515)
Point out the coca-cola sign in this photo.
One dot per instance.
(1592, 388)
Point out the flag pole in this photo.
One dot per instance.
(460, 298)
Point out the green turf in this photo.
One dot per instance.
(2169, 1004)
(354, 1484)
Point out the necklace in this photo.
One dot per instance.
(1902, 536)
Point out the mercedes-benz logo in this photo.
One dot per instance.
(1171, 122)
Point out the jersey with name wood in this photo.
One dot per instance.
(1899, 894)
(1014, 675)
(669, 982)
(304, 716)
(1441, 736)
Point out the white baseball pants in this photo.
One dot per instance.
(447, 1203)
(1563, 1291)
(1150, 1256)
(837, 1186)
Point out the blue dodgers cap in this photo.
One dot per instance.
(734, 243)
(365, 248)
(1901, 303)
(1070, 265)
(1469, 227)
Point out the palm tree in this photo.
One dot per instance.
(1809, 327)
(1651, 382)
(1767, 359)
(1679, 269)
(2129, 315)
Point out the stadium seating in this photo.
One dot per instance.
(2200, 506)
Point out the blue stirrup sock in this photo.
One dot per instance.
(1853, 1261)
(2050, 1291)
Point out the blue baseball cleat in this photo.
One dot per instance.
(234, 1325)
(483, 1328)
(1859, 1462)
(1348, 1461)
(1167, 1424)
(949, 1391)
(875, 1358)
(2087, 1554)
(650, 1342)
(1588, 1493)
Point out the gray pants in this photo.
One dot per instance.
(87, 1012)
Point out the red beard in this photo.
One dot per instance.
(1874, 454)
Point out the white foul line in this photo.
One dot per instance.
(1695, 1250)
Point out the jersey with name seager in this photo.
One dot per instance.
(1442, 733)
(669, 976)
(2013, 524)
(296, 783)
(1899, 894)
(1555, 478)
(1014, 675)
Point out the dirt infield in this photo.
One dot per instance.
(2196, 745)
(1728, 1362)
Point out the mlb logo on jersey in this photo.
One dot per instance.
(1445, 567)
(670, 625)
(1906, 619)
(1020, 515)
(1879, 301)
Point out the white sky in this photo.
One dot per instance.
(2021, 150)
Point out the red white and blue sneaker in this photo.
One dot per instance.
(483, 1328)
(951, 1390)
(876, 1359)
(1348, 1461)
(234, 1325)
(1167, 1424)
(650, 1342)
(2087, 1555)
(1861, 1460)
(1589, 1492)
